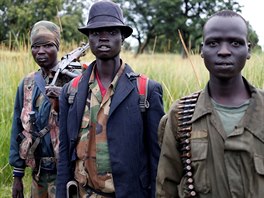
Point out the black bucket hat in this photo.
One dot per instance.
(106, 14)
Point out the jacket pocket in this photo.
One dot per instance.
(259, 164)
(199, 150)
(258, 182)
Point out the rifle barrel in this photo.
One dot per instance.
(67, 59)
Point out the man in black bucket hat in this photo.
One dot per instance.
(106, 14)
(106, 144)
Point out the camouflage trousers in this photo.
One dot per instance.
(83, 194)
(43, 186)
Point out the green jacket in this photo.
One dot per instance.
(223, 166)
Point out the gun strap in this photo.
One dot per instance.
(186, 108)
(32, 149)
(73, 88)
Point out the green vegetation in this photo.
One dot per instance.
(155, 23)
(178, 77)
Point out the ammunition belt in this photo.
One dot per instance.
(186, 109)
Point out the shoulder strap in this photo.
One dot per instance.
(142, 85)
(185, 112)
(73, 88)
(73, 85)
(27, 99)
(28, 88)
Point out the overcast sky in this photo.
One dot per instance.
(254, 13)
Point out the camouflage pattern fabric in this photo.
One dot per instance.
(44, 32)
(92, 148)
(27, 141)
(83, 194)
(43, 186)
(54, 131)
(53, 123)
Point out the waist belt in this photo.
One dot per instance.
(46, 165)
(91, 190)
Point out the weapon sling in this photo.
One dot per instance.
(186, 108)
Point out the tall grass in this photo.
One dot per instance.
(176, 75)
(13, 66)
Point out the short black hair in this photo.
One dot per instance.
(227, 13)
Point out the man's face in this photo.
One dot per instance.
(225, 48)
(45, 55)
(105, 43)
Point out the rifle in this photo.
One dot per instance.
(66, 63)
(66, 60)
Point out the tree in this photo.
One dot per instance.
(157, 22)
(253, 39)
(18, 16)
(71, 18)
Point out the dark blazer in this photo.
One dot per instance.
(134, 153)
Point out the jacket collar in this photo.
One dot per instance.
(254, 115)
(123, 88)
